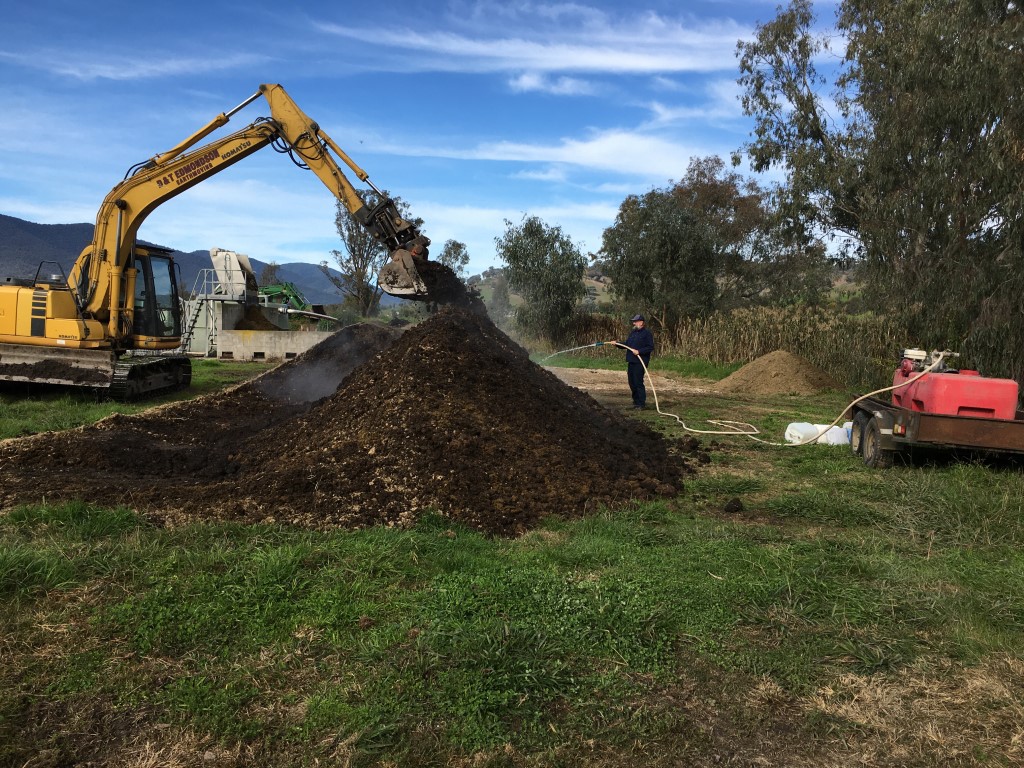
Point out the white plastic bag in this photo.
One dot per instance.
(822, 434)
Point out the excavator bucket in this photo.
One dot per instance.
(420, 279)
(401, 277)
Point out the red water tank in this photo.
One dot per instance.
(966, 393)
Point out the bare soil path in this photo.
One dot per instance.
(611, 390)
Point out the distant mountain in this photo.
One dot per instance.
(24, 245)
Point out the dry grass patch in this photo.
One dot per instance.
(166, 747)
(932, 713)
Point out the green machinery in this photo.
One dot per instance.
(287, 293)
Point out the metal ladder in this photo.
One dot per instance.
(206, 286)
(190, 324)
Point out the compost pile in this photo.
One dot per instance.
(446, 288)
(178, 453)
(255, 320)
(777, 373)
(452, 416)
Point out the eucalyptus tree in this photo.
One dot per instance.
(660, 258)
(709, 242)
(455, 256)
(909, 141)
(545, 267)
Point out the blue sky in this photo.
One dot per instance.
(471, 111)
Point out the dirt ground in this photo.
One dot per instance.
(777, 373)
(450, 415)
(610, 388)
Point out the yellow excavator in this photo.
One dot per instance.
(113, 322)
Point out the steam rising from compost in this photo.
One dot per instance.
(317, 373)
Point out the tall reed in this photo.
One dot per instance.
(859, 351)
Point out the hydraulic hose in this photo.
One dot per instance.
(725, 427)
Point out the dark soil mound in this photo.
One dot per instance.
(169, 452)
(255, 320)
(53, 369)
(453, 417)
(318, 371)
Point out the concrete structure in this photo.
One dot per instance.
(266, 345)
(210, 315)
(223, 297)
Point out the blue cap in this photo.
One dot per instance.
(637, 317)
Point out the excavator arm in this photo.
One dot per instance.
(103, 277)
(406, 274)
(120, 297)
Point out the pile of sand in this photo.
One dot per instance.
(777, 373)
(453, 417)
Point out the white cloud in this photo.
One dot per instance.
(478, 227)
(721, 103)
(547, 174)
(620, 190)
(662, 83)
(77, 65)
(486, 12)
(559, 86)
(50, 212)
(642, 44)
(268, 221)
(615, 150)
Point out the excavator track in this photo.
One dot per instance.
(56, 366)
(142, 376)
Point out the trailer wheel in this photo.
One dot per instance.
(857, 432)
(871, 446)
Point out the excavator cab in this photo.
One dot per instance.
(157, 315)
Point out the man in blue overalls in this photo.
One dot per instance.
(639, 346)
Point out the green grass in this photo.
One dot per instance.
(381, 634)
(25, 571)
(648, 628)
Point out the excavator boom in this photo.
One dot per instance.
(96, 275)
